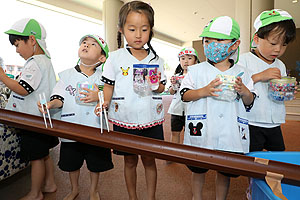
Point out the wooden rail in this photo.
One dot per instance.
(216, 160)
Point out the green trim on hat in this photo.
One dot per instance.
(194, 51)
(32, 28)
(271, 16)
(102, 43)
(217, 28)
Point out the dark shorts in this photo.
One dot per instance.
(73, 154)
(177, 122)
(199, 170)
(35, 146)
(155, 132)
(270, 139)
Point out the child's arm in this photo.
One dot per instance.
(107, 93)
(271, 73)
(56, 103)
(209, 90)
(12, 84)
(243, 91)
(90, 95)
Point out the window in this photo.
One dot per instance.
(63, 32)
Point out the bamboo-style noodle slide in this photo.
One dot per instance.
(205, 158)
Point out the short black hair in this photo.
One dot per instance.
(13, 38)
(286, 28)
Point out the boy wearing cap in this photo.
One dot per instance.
(274, 30)
(187, 56)
(37, 76)
(210, 122)
(93, 52)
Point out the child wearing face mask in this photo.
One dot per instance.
(274, 30)
(216, 118)
(187, 56)
(76, 93)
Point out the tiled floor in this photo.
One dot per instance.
(173, 179)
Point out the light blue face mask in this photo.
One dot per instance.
(217, 52)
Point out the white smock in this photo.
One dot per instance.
(211, 123)
(265, 112)
(127, 108)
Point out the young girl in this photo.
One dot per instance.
(187, 56)
(128, 103)
(77, 107)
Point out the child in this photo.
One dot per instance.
(79, 109)
(274, 30)
(187, 56)
(210, 122)
(128, 104)
(28, 36)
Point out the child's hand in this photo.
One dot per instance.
(90, 95)
(46, 106)
(1, 72)
(240, 87)
(210, 89)
(97, 108)
(271, 73)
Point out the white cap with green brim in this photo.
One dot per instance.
(27, 27)
(269, 17)
(188, 51)
(100, 41)
(223, 27)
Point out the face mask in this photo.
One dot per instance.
(217, 52)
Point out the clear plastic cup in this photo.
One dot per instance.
(228, 92)
(282, 89)
(81, 87)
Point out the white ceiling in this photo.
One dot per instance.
(184, 20)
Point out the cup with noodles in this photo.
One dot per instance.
(177, 79)
(282, 89)
(81, 87)
(227, 92)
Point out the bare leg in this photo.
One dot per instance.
(94, 176)
(74, 177)
(197, 185)
(50, 185)
(175, 137)
(222, 186)
(151, 176)
(37, 180)
(130, 164)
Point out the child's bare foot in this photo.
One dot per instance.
(95, 196)
(72, 195)
(49, 188)
(31, 196)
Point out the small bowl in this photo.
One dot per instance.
(282, 89)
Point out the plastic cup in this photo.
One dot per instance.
(282, 89)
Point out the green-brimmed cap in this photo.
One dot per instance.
(271, 16)
(100, 41)
(27, 27)
(188, 51)
(223, 27)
